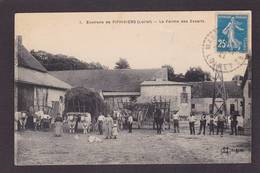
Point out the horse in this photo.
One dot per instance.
(158, 118)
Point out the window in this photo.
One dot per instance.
(192, 106)
(232, 108)
(184, 89)
(184, 97)
(210, 109)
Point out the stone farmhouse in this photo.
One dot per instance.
(33, 85)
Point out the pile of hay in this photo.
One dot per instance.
(81, 99)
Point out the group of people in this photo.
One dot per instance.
(215, 122)
(111, 124)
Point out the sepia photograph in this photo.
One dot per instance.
(127, 88)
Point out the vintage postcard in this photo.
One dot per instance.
(99, 88)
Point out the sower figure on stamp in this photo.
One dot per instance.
(202, 123)
(229, 30)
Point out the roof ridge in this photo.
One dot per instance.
(108, 70)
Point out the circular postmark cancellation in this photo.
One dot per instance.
(220, 61)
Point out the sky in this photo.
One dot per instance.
(145, 43)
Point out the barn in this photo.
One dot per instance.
(202, 94)
(140, 85)
(34, 86)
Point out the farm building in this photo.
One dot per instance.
(202, 94)
(120, 85)
(178, 93)
(34, 86)
(247, 95)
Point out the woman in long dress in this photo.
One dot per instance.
(108, 126)
(58, 126)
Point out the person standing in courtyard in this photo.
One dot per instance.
(108, 126)
(176, 118)
(202, 123)
(234, 122)
(211, 124)
(58, 125)
(101, 119)
(221, 122)
(192, 124)
(130, 122)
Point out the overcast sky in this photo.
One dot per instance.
(143, 45)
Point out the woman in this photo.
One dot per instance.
(58, 125)
(108, 126)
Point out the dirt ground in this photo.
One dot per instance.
(143, 146)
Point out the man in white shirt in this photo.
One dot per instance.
(176, 118)
(130, 123)
(101, 119)
(192, 120)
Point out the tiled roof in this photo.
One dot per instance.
(34, 77)
(25, 59)
(120, 80)
(206, 89)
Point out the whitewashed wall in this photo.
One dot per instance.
(54, 95)
(202, 104)
(172, 92)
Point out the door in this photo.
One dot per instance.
(25, 97)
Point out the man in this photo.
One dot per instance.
(211, 124)
(234, 121)
(202, 123)
(176, 118)
(108, 126)
(130, 123)
(101, 119)
(221, 121)
(192, 123)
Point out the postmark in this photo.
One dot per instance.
(220, 61)
(232, 33)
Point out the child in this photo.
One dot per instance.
(114, 131)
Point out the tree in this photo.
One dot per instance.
(63, 62)
(196, 74)
(122, 64)
(170, 71)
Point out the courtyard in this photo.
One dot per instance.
(143, 146)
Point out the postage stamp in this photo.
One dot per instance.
(232, 33)
(217, 60)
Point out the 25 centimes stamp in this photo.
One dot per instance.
(232, 33)
(225, 48)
